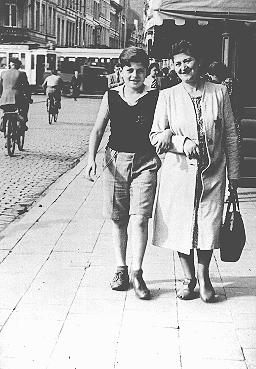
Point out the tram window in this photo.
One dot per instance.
(32, 61)
(13, 55)
(81, 61)
(67, 65)
(22, 59)
(3, 60)
(51, 61)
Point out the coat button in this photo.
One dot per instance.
(210, 141)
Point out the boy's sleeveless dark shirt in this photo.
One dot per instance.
(130, 125)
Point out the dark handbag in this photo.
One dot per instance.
(232, 234)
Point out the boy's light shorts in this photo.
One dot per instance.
(129, 184)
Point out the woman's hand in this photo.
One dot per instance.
(190, 149)
(90, 170)
(163, 141)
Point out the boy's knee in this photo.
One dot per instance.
(139, 220)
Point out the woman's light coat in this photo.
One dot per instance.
(172, 223)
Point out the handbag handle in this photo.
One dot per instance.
(233, 200)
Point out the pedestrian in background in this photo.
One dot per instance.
(115, 79)
(131, 165)
(195, 126)
(76, 84)
(165, 80)
(175, 80)
(217, 72)
(153, 79)
(169, 78)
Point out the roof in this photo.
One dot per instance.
(201, 9)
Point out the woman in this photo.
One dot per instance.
(194, 125)
(131, 165)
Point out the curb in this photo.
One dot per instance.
(16, 230)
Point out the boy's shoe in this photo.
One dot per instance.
(120, 281)
(139, 285)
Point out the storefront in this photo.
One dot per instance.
(225, 29)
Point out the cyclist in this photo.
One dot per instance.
(16, 93)
(53, 85)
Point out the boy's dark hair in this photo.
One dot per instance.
(118, 65)
(133, 54)
(218, 69)
(153, 65)
(53, 71)
(185, 47)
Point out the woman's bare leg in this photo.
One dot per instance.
(189, 283)
(206, 289)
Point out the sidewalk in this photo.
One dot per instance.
(57, 310)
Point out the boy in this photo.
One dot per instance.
(130, 175)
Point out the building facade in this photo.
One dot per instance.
(135, 23)
(74, 23)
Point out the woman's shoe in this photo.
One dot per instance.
(187, 291)
(139, 285)
(206, 291)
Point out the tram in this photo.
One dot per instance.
(37, 63)
(93, 64)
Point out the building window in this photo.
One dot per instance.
(63, 33)
(43, 19)
(10, 15)
(37, 16)
(32, 14)
(58, 32)
(50, 20)
(54, 22)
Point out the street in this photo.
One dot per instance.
(49, 151)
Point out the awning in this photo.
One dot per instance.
(235, 10)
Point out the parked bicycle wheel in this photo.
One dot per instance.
(10, 136)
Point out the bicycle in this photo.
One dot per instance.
(52, 109)
(13, 131)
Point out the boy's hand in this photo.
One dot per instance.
(90, 171)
